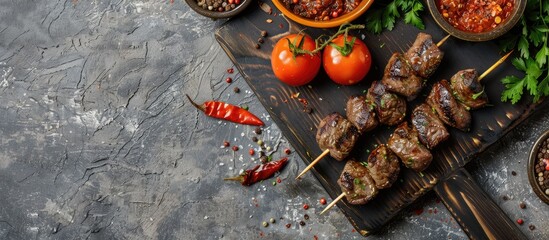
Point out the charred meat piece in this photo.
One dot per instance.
(468, 90)
(383, 166)
(400, 78)
(405, 144)
(431, 130)
(424, 56)
(337, 134)
(448, 109)
(361, 112)
(390, 108)
(356, 183)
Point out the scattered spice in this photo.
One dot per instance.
(287, 151)
(265, 7)
(263, 33)
(230, 70)
(513, 173)
(236, 90)
(278, 180)
(289, 225)
(254, 139)
(227, 112)
(302, 223)
(305, 206)
(520, 221)
(307, 110)
(260, 142)
(505, 198)
(418, 211)
(252, 151)
(256, 46)
(226, 144)
(269, 20)
(229, 80)
(265, 224)
(258, 130)
(260, 40)
(235, 148)
(522, 205)
(306, 217)
(281, 26)
(532, 227)
(272, 220)
(260, 172)
(323, 201)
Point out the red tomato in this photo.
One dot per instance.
(350, 69)
(298, 70)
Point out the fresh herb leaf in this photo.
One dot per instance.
(530, 38)
(385, 17)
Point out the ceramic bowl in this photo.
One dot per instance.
(335, 22)
(515, 16)
(532, 176)
(215, 14)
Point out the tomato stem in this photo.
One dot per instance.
(343, 29)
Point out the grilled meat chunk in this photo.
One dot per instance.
(390, 108)
(383, 166)
(405, 144)
(356, 183)
(400, 78)
(361, 112)
(424, 56)
(337, 134)
(448, 109)
(431, 130)
(468, 90)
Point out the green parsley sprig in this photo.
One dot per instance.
(530, 37)
(385, 17)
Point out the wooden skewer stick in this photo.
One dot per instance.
(443, 40)
(313, 163)
(494, 66)
(333, 203)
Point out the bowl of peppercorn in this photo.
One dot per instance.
(538, 167)
(218, 8)
(476, 21)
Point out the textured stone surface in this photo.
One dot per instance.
(97, 140)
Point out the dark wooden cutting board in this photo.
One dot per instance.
(238, 37)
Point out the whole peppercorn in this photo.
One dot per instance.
(260, 40)
(252, 151)
(229, 80)
(287, 151)
(323, 201)
(258, 130)
(263, 33)
(302, 223)
(522, 205)
(305, 206)
(288, 225)
(226, 144)
(230, 70)
(254, 139)
(235, 148)
(272, 220)
(236, 90)
(265, 224)
(306, 217)
(256, 46)
(520, 221)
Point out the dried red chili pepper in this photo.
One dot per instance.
(228, 112)
(260, 172)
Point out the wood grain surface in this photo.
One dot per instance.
(238, 37)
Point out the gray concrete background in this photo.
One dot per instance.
(98, 142)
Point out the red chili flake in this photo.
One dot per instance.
(278, 180)
(305, 206)
(303, 100)
(288, 225)
(252, 151)
(281, 26)
(287, 151)
(418, 211)
(235, 148)
(226, 144)
(520, 221)
(230, 70)
(261, 234)
(354, 230)
(229, 80)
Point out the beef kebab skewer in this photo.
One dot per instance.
(466, 89)
(424, 57)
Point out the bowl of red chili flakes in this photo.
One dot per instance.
(326, 15)
(476, 20)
